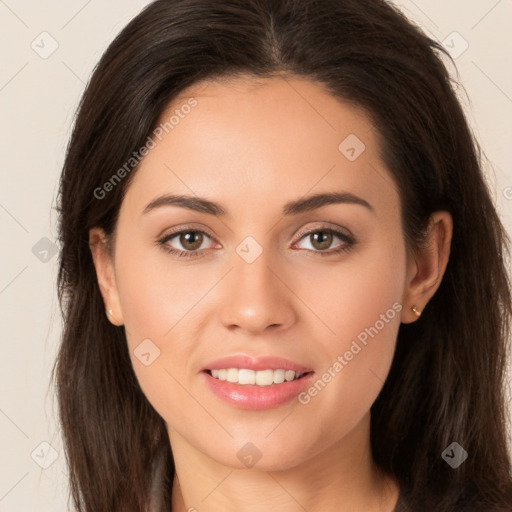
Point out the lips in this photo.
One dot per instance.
(245, 382)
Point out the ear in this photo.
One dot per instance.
(426, 267)
(105, 273)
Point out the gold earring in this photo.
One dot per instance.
(416, 311)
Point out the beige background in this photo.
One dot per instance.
(38, 97)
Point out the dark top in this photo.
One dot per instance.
(401, 506)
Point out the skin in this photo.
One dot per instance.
(252, 147)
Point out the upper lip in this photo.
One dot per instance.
(255, 363)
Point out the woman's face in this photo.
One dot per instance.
(270, 272)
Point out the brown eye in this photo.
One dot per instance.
(321, 240)
(186, 243)
(191, 240)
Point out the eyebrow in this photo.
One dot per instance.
(296, 207)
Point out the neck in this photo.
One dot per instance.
(341, 478)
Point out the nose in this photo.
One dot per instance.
(256, 297)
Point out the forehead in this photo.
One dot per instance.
(259, 137)
(289, 100)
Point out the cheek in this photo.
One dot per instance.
(354, 294)
(155, 295)
(163, 308)
(154, 303)
(362, 309)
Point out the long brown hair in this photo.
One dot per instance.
(447, 378)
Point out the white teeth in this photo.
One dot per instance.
(232, 375)
(246, 377)
(279, 376)
(260, 377)
(265, 377)
(289, 375)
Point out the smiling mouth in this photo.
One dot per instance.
(244, 376)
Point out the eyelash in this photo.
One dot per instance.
(346, 247)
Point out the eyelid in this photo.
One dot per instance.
(324, 227)
(348, 240)
(162, 240)
(186, 227)
(305, 231)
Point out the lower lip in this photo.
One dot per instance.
(246, 396)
